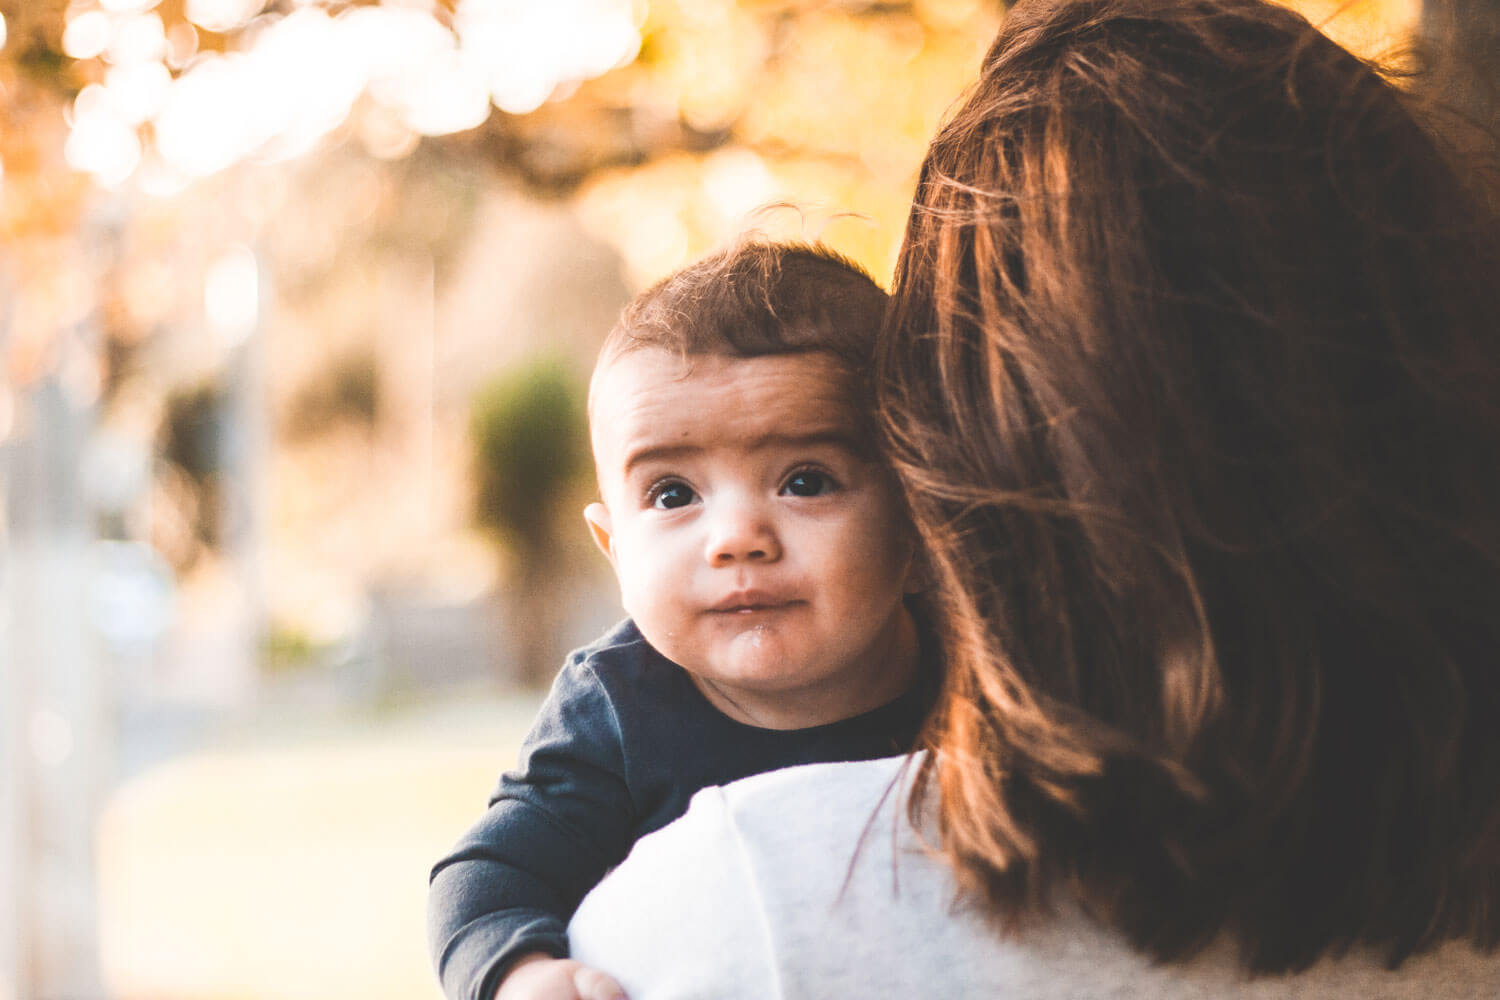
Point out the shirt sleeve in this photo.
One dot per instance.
(682, 917)
(553, 828)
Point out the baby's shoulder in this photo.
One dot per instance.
(622, 664)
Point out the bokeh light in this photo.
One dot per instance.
(103, 141)
(415, 70)
(128, 6)
(737, 182)
(222, 15)
(231, 295)
(300, 75)
(527, 50)
(136, 38)
(87, 34)
(139, 89)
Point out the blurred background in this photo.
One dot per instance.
(297, 303)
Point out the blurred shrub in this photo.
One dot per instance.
(531, 454)
(285, 648)
(530, 446)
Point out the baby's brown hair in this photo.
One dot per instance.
(757, 298)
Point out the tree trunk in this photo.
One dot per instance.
(537, 613)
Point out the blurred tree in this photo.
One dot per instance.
(530, 450)
(36, 82)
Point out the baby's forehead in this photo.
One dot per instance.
(645, 397)
(636, 369)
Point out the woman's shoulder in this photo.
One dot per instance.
(812, 881)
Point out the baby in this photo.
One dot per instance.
(764, 558)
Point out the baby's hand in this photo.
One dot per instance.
(542, 977)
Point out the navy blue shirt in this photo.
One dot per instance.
(619, 747)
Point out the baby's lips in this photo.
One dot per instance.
(751, 600)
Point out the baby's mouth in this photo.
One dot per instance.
(751, 603)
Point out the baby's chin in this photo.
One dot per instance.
(751, 646)
(750, 656)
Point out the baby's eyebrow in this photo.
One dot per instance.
(832, 437)
(658, 453)
(817, 437)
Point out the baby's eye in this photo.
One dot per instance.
(808, 483)
(670, 495)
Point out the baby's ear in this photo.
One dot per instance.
(597, 516)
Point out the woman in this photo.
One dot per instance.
(1193, 381)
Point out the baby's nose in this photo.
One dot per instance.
(742, 533)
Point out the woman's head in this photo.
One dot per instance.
(1191, 373)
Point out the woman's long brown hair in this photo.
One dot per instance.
(1192, 376)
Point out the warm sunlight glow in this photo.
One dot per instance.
(128, 6)
(86, 35)
(231, 295)
(222, 15)
(448, 96)
(159, 179)
(305, 82)
(300, 76)
(103, 141)
(414, 68)
(138, 89)
(529, 49)
(182, 44)
(1371, 29)
(207, 123)
(737, 182)
(136, 38)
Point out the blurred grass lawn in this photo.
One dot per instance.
(291, 862)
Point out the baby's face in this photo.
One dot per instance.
(756, 542)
